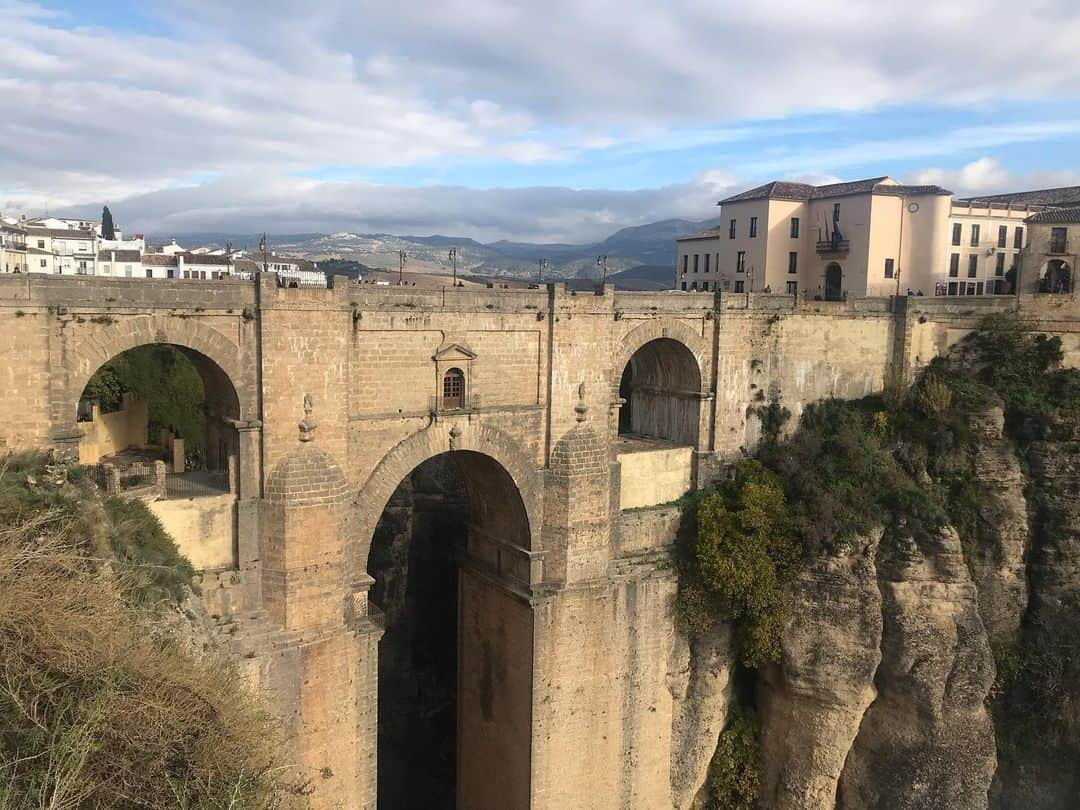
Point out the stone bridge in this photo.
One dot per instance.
(571, 418)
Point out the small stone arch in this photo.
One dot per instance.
(654, 330)
(87, 353)
(439, 438)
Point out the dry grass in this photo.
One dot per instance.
(99, 706)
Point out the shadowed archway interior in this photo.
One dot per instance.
(661, 386)
(449, 711)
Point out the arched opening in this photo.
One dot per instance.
(454, 680)
(158, 423)
(453, 390)
(834, 282)
(661, 389)
(1057, 278)
(658, 423)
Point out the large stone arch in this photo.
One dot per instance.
(410, 453)
(89, 349)
(653, 330)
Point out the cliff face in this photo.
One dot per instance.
(1040, 729)
(812, 703)
(927, 741)
(885, 695)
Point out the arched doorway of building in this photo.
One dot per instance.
(1056, 278)
(454, 679)
(661, 389)
(834, 282)
(157, 422)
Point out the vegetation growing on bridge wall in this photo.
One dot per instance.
(102, 703)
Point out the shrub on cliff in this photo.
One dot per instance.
(743, 551)
(100, 704)
(734, 773)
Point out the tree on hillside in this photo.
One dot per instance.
(108, 229)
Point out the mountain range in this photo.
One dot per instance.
(641, 256)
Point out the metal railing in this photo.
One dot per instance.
(834, 246)
(196, 483)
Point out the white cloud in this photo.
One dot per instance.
(987, 175)
(291, 85)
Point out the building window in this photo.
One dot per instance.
(794, 227)
(693, 286)
(685, 259)
(739, 286)
(753, 227)
(793, 288)
(44, 263)
(956, 232)
(707, 257)
(793, 262)
(705, 286)
(999, 269)
(684, 286)
(149, 273)
(1057, 240)
(1018, 238)
(740, 262)
(695, 262)
(453, 389)
(954, 265)
(1003, 235)
(41, 244)
(974, 235)
(973, 266)
(731, 230)
(888, 268)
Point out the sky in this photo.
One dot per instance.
(560, 120)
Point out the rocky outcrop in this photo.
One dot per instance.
(1055, 466)
(1038, 768)
(812, 702)
(699, 680)
(926, 742)
(997, 557)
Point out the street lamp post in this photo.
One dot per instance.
(453, 258)
(601, 261)
(402, 256)
(540, 272)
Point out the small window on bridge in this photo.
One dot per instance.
(453, 389)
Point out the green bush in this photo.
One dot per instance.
(735, 771)
(742, 553)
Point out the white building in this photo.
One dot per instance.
(12, 246)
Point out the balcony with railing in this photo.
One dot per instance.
(833, 247)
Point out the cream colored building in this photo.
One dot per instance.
(869, 237)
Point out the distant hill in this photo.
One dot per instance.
(648, 250)
(645, 277)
